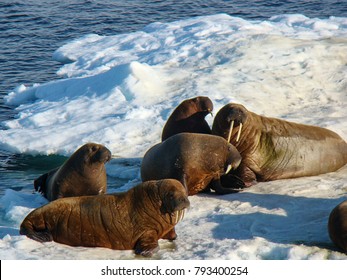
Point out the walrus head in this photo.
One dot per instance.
(203, 104)
(174, 199)
(200, 104)
(228, 118)
(93, 152)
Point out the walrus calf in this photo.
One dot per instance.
(189, 116)
(337, 226)
(83, 173)
(135, 219)
(276, 149)
(196, 160)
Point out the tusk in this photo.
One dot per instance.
(228, 169)
(230, 130)
(239, 133)
(183, 212)
(176, 217)
(179, 215)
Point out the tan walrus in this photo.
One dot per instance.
(196, 160)
(276, 149)
(337, 226)
(189, 116)
(83, 173)
(135, 219)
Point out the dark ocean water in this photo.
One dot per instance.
(31, 30)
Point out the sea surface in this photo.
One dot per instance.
(31, 30)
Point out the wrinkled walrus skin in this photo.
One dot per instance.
(135, 219)
(276, 149)
(337, 226)
(84, 173)
(196, 160)
(189, 116)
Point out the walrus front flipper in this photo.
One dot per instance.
(40, 184)
(232, 181)
(217, 186)
(147, 244)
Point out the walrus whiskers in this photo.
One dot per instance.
(230, 130)
(239, 133)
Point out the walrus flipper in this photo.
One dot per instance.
(219, 189)
(231, 181)
(40, 183)
(147, 244)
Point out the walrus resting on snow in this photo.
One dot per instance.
(135, 219)
(189, 116)
(83, 173)
(276, 149)
(337, 226)
(196, 160)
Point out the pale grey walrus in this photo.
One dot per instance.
(196, 160)
(337, 226)
(276, 149)
(135, 219)
(189, 116)
(83, 173)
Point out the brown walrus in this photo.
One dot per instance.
(337, 226)
(196, 160)
(135, 219)
(189, 116)
(83, 173)
(276, 149)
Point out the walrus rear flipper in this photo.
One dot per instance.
(43, 235)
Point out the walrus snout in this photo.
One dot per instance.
(103, 155)
(181, 203)
(236, 113)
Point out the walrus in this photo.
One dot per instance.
(189, 116)
(83, 173)
(196, 160)
(337, 226)
(135, 219)
(277, 149)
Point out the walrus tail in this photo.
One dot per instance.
(40, 184)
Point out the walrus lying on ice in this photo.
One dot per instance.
(337, 226)
(197, 160)
(135, 219)
(83, 173)
(276, 149)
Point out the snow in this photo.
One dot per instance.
(119, 91)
